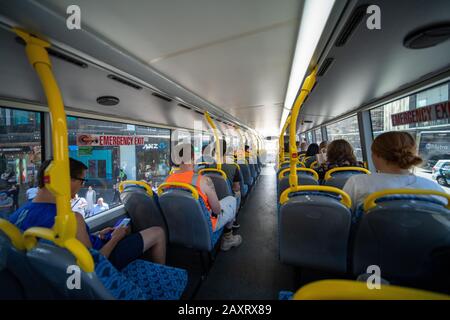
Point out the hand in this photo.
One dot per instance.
(102, 233)
(119, 233)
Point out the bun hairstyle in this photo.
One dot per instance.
(398, 148)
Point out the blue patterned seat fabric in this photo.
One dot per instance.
(140, 280)
(285, 295)
(158, 282)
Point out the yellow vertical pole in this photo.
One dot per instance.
(216, 137)
(57, 175)
(306, 89)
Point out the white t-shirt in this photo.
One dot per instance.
(79, 205)
(31, 193)
(360, 186)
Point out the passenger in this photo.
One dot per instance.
(122, 247)
(223, 212)
(233, 177)
(339, 154)
(322, 155)
(393, 154)
(310, 155)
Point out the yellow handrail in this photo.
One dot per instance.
(355, 290)
(216, 138)
(193, 190)
(313, 164)
(346, 201)
(331, 171)
(222, 173)
(281, 141)
(13, 233)
(57, 176)
(314, 173)
(306, 89)
(138, 183)
(370, 200)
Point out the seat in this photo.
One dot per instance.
(230, 170)
(337, 177)
(305, 177)
(187, 217)
(253, 172)
(141, 205)
(407, 234)
(248, 179)
(287, 164)
(18, 279)
(220, 181)
(309, 161)
(314, 228)
(356, 290)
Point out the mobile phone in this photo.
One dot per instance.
(122, 223)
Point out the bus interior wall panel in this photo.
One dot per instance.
(49, 21)
(374, 63)
(20, 83)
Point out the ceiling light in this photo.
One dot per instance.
(314, 17)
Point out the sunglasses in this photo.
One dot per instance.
(83, 181)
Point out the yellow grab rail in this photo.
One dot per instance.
(216, 137)
(222, 173)
(298, 163)
(370, 200)
(331, 171)
(191, 188)
(281, 141)
(57, 175)
(308, 84)
(138, 183)
(346, 201)
(314, 173)
(73, 245)
(313, 164)
(356, 290)
(13, 233)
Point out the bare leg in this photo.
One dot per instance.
(155, 243)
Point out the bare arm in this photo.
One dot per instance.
(82, 234)
(208, 187)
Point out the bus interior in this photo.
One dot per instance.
(121, 86)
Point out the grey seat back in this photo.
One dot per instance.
(52, 262)
(142, 209)
(253, 172)
(303, 178)
(338, 179)
(248, 179)
(408, 239)
(221, 185)
(314, 232)
(187, 222)
(18, 279)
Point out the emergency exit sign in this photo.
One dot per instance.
(432, 112)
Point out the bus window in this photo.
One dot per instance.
(347, 129)
(432, 137)
(114, 152)
(20, 152)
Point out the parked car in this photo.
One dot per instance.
(441, 172)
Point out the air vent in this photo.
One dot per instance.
(350, 26)
(199, 112)
(307, 121)
(184, 106)
(427, 37)
(324, 67)
(108, 100)
(160, 96)
(57, 54)
(124, 81)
